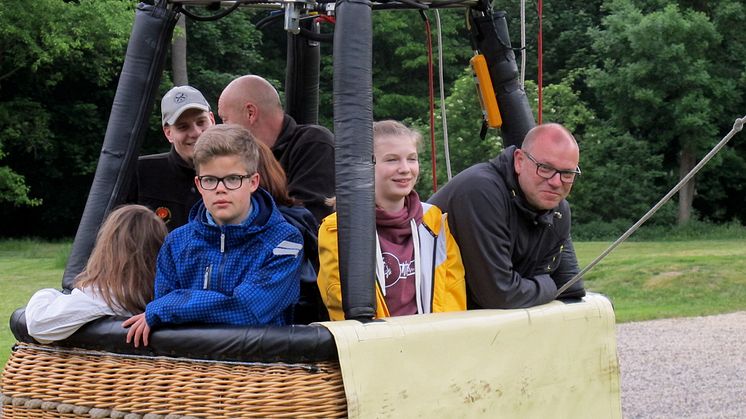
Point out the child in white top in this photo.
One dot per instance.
(117, 281)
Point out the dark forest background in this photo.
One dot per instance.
(648, 87)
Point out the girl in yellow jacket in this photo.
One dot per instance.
(418, 264)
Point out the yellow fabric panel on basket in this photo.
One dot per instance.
(556, 360)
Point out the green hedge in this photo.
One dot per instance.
(693, 230)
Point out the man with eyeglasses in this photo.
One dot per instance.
(512, 223)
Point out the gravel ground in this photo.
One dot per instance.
(684, 368)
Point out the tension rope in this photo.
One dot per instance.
(737, 127)
(540, 64)
(431, 96)
(443, 114)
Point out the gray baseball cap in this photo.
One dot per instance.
(179, 99)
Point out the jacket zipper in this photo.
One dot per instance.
(206, 281)
(222, 255)
(432, 276)
(537, 247)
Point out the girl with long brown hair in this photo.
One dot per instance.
(117, 281)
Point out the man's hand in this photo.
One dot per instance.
(139, 328)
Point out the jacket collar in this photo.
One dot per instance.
(286, 134)
(175, 160)
(263, 215)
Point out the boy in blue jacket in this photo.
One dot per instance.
(237, 260)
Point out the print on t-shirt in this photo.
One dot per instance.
(394, 270)
(400, 285)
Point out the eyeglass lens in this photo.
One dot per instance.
(548, 172)
(230, 182)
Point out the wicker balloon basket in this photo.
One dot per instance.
(51, 382)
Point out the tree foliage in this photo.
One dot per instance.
(464, 120)
(400, 59)
(657, 79)
(638, 82)
(57, 63)
(565, 36)
(222, 50)
(622, 176)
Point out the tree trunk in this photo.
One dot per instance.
(686, 194)
(179, 54)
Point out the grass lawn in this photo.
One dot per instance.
(645, 280)
(26, 266)
(651, 280)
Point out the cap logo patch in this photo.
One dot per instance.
(180, 97)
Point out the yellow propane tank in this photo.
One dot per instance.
(485, 91)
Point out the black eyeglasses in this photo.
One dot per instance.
(231, 182)
(548, 172)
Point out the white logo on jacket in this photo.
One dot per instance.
(287, 248)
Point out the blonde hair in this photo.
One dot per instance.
(391, 128)
(227, 140)
(122, 265)
(386, 128)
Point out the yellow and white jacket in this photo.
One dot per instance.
(439, 278)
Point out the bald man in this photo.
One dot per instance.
(512, 223)
(306, 152)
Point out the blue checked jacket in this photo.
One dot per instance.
(244, 274)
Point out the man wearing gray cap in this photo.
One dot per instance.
(165, 182)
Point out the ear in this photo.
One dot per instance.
(196, 183)
(212, 118)
(167, 131)
(252, 112)
(517, 160)
(253, 182)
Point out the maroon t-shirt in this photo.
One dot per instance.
(397, 247)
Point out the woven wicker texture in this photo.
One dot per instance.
(167, 386)
(20, 412)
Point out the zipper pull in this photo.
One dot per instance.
(206, 281)
(222, 242)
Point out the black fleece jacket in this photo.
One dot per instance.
(514, 256)
(165, 183)
(306, 152)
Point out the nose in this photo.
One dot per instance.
(195, 130)
(404, 167)
(221, 186)
(555, 180)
